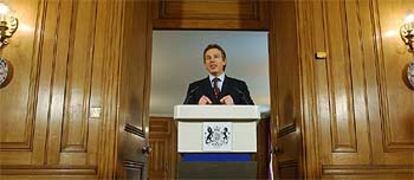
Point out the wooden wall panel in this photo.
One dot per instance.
(356, 111)
(339, 71)
(134, 70)
(262, 157)
(163, 140)
(342, 112)
(159, 164)
(79, 68)
(134, 90)
(392, 119)
(284, 68)
(59, 53)
(49, 177)
(18, 113)
(285, 90)
(355, 100)
(108, 50)
(73, 135)
(227, 14)
(67, 65)
(308, 15)
(23, 114)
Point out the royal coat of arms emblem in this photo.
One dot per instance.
(217, 136)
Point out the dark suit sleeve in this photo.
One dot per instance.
(246, 93)
(240, 93)
(191, 96)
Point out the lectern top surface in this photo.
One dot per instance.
(222, 112)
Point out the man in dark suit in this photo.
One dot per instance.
(217, 88)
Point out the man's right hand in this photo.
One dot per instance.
(204, 100)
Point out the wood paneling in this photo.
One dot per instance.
(19, 142)
(285, 84)
(393, 116)
(353, 109)
(60, 54)
(21, 136)
(108, 49)
(227, 14)
(308, 14)
(78, 73)
(262, 157)
(356, 106)
(62, 61)
(73, 135)
(339, 86)
(163, 140)
(134, 90)
(49, 177)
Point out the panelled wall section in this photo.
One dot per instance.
(347, 115)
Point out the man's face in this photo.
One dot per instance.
(214, 62)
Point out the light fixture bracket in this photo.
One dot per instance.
(8, 26)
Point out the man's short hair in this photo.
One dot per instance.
(215, 46)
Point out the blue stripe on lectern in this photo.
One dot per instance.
(215, 157)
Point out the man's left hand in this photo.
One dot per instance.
(228, 100)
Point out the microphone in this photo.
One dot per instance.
(190, 94)
(243, 95)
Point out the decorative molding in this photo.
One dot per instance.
(66, 146)
(309, 122)
(389, 145)
(110, 49)
(133, 164)
(163, 142)
(288, 164)
(79, 144)
(47, 170)
(134, 130)
(187, 14)
(159, 158)
(166, 7)
(368, 169)
(337, 146)
(160, 126)
(33, 87)
(290, 128)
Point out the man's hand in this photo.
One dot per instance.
(204, 100)
(228, 100)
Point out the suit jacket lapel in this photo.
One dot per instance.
(207, 87)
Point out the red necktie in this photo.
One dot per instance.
(215, 87)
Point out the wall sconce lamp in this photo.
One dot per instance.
(407, 35)
(407, 32)
(8, 24)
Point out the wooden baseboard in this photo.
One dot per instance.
(365, 169)
(41, 170)
(47, 177)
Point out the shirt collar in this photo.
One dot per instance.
(221, 77)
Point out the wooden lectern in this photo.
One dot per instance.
(227, 129)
